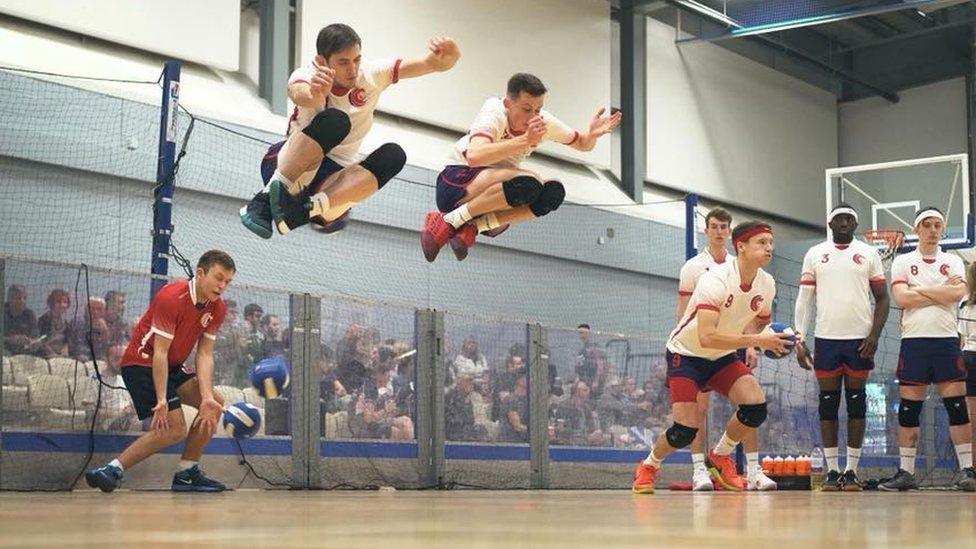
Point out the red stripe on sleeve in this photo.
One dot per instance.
(576, 136)
(707, 307)
(482, 134)
(684, 293)
(396, 71)
(899, 281)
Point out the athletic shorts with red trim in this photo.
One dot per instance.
(452, 184)
(927, 360)
(690, 375)
(270, 163)
(837, 357)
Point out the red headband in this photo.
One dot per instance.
(749, 233)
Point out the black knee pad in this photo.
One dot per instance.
(909, 412)
(328, 128)
(521, 190)
(552, 196)
(385, 162)
(956, 409)
(751, 415)
(829, 405)
(680, 436)
(857, 404)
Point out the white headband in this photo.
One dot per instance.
(925, 214)
(842, 210)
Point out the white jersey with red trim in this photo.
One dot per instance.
(359, 103)
(721, 289)
(967, 325)
(692, 270)
(915, 270)
(492, 123)
(842, 275)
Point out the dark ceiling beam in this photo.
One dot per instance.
(905, 36)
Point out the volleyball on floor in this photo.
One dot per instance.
(242, 420)
(782, 328)
(270, 377)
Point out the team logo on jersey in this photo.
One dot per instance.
(859, 259)
(205, 320)
(944, 269)
(357, 97)
(756, 303)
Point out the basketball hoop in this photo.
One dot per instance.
(887, 241)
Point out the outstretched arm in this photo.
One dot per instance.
(444, 53)
(600, 125)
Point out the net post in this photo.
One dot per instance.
(310, 372)
(163, 199)
(298, 405)
(691, 203)
(538, 409)
(429, 328)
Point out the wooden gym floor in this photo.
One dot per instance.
(471, 519)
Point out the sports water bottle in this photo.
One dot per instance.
(816, 469)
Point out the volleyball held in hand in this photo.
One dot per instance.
(242, 420)
(782, 328)
(270, 377)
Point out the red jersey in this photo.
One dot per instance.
(174, 314)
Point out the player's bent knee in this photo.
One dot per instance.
(751, 415)
(328, 128)
(830, 405)
(909, 412)
(521, 190)
(385, 163)
(680, 436)
(956, 409)
(552, 196)
(857, 404)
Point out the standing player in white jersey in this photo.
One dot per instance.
(928, 284)
(967, 340)
(313, 175)
(729, 306)
(483, 189)
(717, 226)
(844, 275)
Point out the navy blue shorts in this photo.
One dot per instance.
(837, 357)
(690, 375)
(927, 360)
(139, 382)
(270, 163)
(452, 184)
(969, 359)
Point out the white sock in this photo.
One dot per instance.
(907, 459)
(335, 212)
(853, 457)
(753, 467)
(458, 217)
(652, 461)
(289, 184)
(725, 446)
(964, 453)
(185, 464)
(487, 222)
(830, 456)
(698, 463)
(320, 204)
(116, 463)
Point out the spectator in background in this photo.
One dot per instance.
(116, 412)
(514, 413)
(615, 408)
(331, 391)
(470, 361)
(228, 350)
(252, 338)
(353, 357)
(459, 413)
(53, 326)
(19, 322)
(586, 363)
(118, 331)
(374, 412)
(576, 419)
(273, 340)
(90, 328)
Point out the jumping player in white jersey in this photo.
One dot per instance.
(314, 175)
(928, 284)
(844, 274)
(717, 227)
(483, 189)
(727, 311)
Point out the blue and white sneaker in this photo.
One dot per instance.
(105, 478)
(193, 480)
(256, 215)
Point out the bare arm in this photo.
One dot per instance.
(444, 54)
(210, 409)
(945, 294)
(908, 298)
(312, 94)
(160, 374)
(710, 338)
(483, 152)
(679, 310)
(600, 125)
